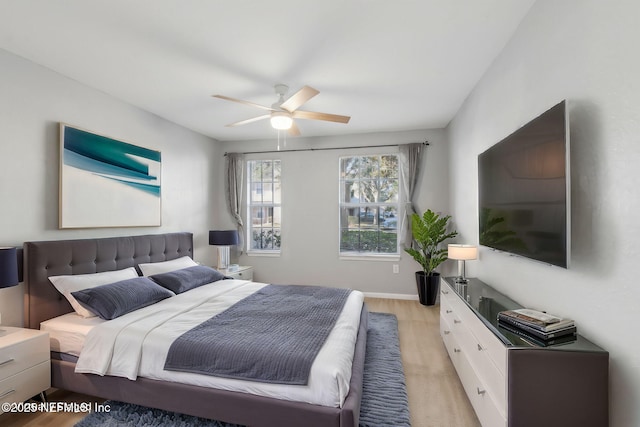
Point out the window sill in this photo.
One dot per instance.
(273, 254)
(369, 257)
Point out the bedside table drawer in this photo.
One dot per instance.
(26, 384)
(244, 275)
(243, 272)
(21, 355)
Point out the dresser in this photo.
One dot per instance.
(512, 382)
(25, 369)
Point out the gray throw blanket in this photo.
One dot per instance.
(272, 336)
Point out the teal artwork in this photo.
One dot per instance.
(105, 182)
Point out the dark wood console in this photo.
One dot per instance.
(511, 381)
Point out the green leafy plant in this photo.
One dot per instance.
(429, 231)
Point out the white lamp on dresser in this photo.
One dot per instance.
(462, 253)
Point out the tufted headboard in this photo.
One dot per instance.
(62, 257)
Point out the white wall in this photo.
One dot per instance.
(33, 100)
(310, 252)
(584, 51)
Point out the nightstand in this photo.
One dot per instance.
(244, 272)
(25, 368)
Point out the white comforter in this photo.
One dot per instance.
(137, 343)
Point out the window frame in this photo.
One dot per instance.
(368, 255)
(273, 205)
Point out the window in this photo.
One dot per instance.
(369, 205)
(263, 205)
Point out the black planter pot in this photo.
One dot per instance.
(428, 287)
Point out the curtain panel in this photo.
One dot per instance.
(234, 190)
(410, 155)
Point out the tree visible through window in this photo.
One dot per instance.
(263, 206)
(369, 204)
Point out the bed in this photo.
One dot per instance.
(71, 257)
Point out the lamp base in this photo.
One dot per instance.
(223, 257)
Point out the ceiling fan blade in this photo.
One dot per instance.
(251, 104)
(311, 115)
(293, 130)
(254, 119)
(299, 98)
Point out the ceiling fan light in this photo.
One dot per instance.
(281, 120)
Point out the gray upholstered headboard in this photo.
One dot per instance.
(57, 257)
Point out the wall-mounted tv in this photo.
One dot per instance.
(524, 192)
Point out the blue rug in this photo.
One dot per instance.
(384, 395)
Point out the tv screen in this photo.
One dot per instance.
(524, 190)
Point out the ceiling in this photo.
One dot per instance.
(389, 64)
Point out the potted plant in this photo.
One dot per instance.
(429, 231)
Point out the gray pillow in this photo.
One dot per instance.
(115, 299)
(182, 280)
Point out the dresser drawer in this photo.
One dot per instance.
(23, 354)
(491, 345)
(487, 409)
(26, 384)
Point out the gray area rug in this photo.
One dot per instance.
(384, 395)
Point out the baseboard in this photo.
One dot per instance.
(390, 296)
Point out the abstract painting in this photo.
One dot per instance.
(107, 183)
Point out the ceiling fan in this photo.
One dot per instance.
(282, 112)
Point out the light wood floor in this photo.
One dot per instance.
(436, 397)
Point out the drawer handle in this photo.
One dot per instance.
(456, 350)
(481, 391)
(7, 393)
(447, 332)
(6, 361)
(457, 321)
(480, 347)
(445, 292)
(448, 311)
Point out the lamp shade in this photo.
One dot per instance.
(223, 237)
(462, 252)
(8, 267)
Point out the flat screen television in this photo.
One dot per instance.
(524, 190)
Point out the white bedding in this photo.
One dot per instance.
(137, 343)
(68, 332)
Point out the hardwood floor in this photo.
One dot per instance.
(436, 397)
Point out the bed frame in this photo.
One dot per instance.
(43, 302)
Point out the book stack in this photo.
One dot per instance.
(537, 327)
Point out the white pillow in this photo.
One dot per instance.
(166, 266)
(77, 282)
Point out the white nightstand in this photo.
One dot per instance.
(25, 368)
(244, 272)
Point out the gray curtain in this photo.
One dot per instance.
(409, 169)
(234, 188)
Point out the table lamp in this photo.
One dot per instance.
(462, 253)
(223, 239)
(8, 267)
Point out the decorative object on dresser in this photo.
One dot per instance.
(223, 239)
(541, 328)
(462, 253)
(429, 232)
(107, 183)
(515, 381)
(25, 369)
